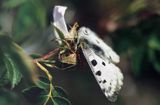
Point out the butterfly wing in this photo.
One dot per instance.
(92, 39)
(106, 73)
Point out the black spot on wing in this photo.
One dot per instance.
(94, 62)
(100, 81)
(97, 48)
(103, 64)
(104, 81)
(98, 73)
(104, 90)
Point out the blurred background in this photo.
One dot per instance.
(131, 27)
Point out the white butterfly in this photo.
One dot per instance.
(108, 76)
(99, 55)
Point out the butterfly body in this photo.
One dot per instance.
(92, 39)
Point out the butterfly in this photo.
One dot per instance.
(100, 57)
(107, 74)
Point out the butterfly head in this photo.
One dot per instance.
(83, 31)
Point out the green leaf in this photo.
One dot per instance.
(35, 95)
(154, 58)
(59, 92)
(157, 66)
(30, 18)
(61, 35)
(151, 55)
(15, 63)
(12, 3)
(3, 72)
(60, 96)
(8, 97)
(43, 83)
(137, 58)
(154, 42)
(61, 101)
(34, 56)
(13, 74)
(137, 5)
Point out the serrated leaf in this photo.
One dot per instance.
(38, 96)
(3, 72)
(8, 97)
(15, 62)
(59, 92)
(61, 101)
(35, 95)
(43, 83)
(13, 74)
